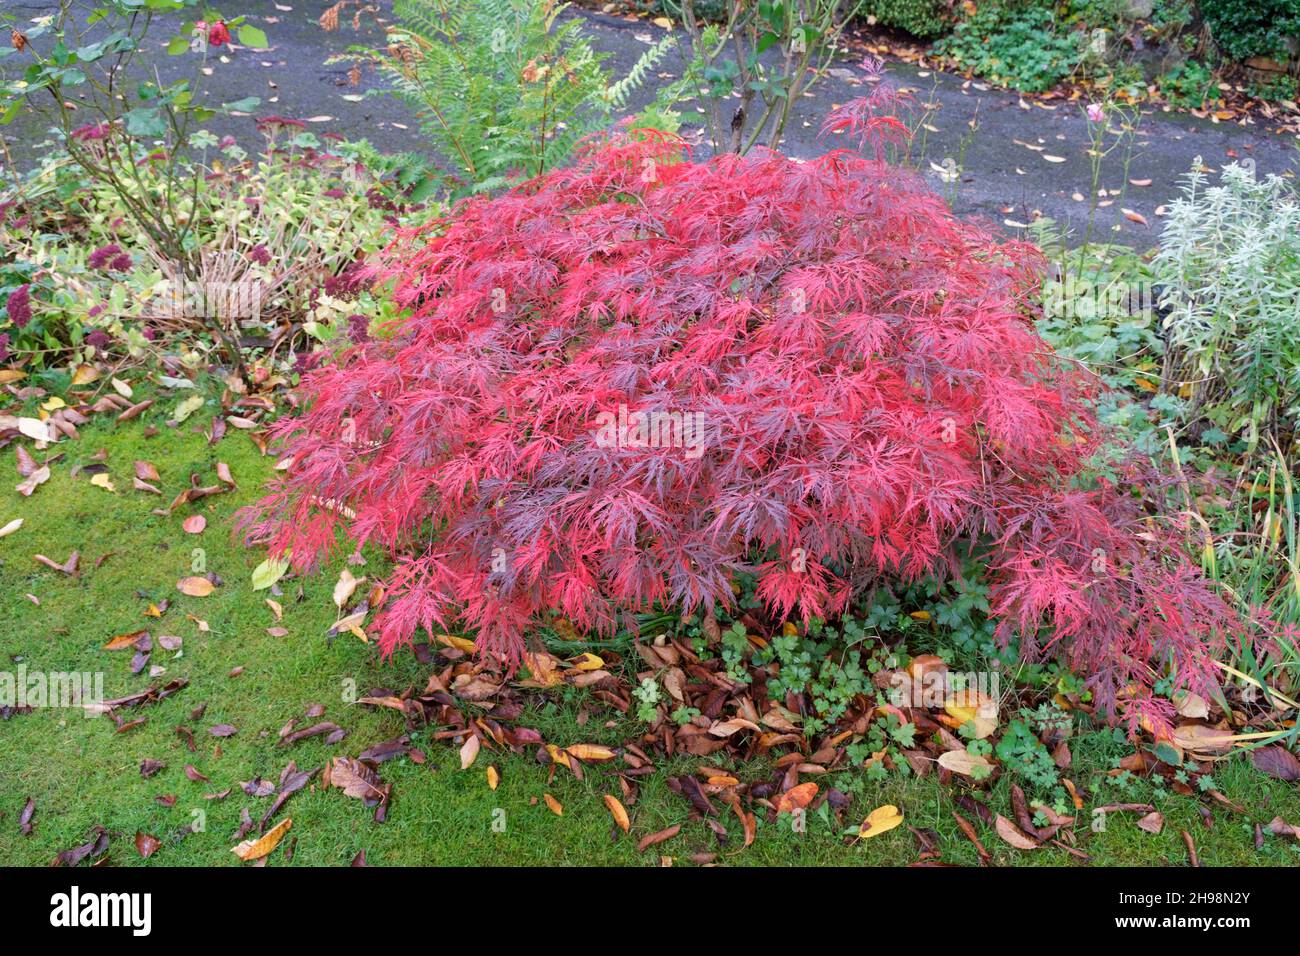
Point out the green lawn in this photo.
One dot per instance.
(81, 773)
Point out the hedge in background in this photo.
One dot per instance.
(925, 19)
(1246, 28)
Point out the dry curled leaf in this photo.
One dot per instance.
(256, 849)
(32, 481)
(1153, 822)
(618, 812)
(796, 798)
(590, 752)
(355, 779)
(965, 763)
(1013, 835)
(146, 845)
(658, 837)
(469, 752)
(345, 588)
(122, 641)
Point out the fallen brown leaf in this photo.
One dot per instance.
(146, 845)
(1013, 835)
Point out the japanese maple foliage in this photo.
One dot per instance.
(860, 395)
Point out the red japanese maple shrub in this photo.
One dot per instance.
(622, 383)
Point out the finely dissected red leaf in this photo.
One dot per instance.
(612, 390)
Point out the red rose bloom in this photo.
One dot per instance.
(218, 35)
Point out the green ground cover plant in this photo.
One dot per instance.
(1020, 46)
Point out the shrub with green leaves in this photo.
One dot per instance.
(1229, 264)
(1245, 28)
(283, 233)
(1190, 84)
(758, 63)
(1099, 310)
(1020, 47)
(921, 18)
(125, 116)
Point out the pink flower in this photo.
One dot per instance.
(218, 34)
(91, 132)
(19, 306)
(110, 258)
(1095, 113)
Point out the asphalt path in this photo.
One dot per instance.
(1021, 159)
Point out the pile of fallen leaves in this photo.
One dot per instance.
(739, 730)
(478, 710)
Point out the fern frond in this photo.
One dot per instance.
(618, 94)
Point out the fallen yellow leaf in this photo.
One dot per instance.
(970, 706)
(879, 821)
(587, 662)
(256, 849)
(460, 643)
(590, 752)
(84, 375)
(618, 812)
